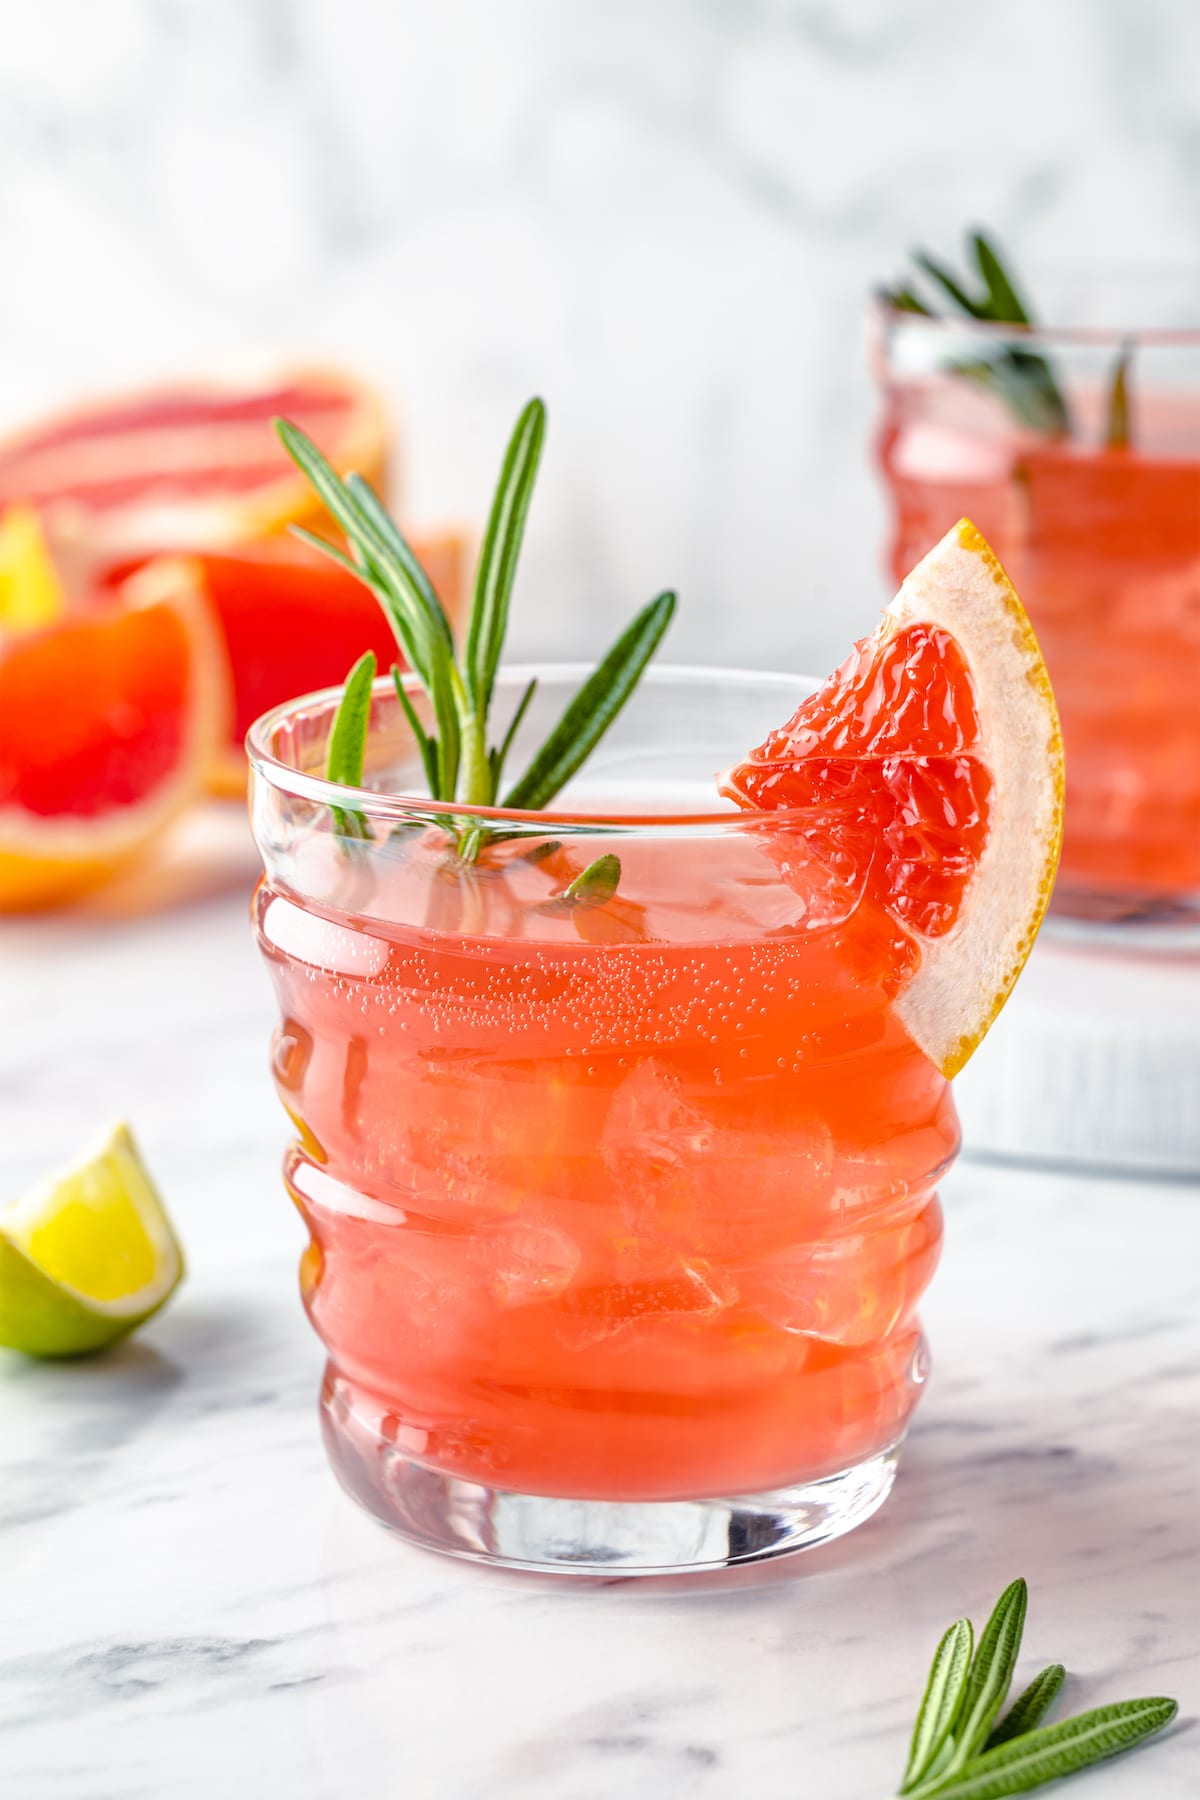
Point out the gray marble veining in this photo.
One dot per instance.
(189, 1605)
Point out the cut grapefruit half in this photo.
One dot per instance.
(925, 777)
(293, 620)
(108, 721)
(190, 464)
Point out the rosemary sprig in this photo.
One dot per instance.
(346, 755)
(459, 761)
(1022, 379)
(959, 1752)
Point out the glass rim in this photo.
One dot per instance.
(299, 784)
(1111, 337)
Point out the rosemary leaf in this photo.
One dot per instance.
(374, 565)
(421, 590)
(500, 754)
(446, 712)
(1116, 414)
(595, 885)
(942, 1702)
(593, 709)
(939, 273)
(427, 745)
(904, 300)
(1037, 1757)
(991, 1673)
(1030, 1707)
(346, 755)
(328, 485)
(1002, 303)
(1025, 384)
(498, 557)
(316, 542)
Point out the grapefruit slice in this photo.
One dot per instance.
(292, 621)
(190, 464)
(108, 721)
(925, 777)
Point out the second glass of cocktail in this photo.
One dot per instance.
(1077, 450)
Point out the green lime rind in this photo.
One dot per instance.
(41, 1318)
(45, 1316)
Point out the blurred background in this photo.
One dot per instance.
(664, 216)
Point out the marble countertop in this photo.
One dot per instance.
(190, 1606)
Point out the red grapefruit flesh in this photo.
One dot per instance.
(108, 721)
(924, 778)
(293, 620)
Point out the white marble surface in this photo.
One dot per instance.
(189, 1607)
(663, 214)
(1095, 1061)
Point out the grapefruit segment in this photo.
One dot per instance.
(925, 778)
(107, 723)
(293, 621)
(191, 464)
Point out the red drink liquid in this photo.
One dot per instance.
(630, 1202)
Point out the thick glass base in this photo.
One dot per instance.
(597, 1537)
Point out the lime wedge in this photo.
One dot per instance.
(87, 1255)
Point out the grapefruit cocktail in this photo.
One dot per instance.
(1078, 453)
(620, 1122)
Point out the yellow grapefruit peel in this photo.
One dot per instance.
(966, 976)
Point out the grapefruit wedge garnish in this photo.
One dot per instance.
(925, 779)
(108, 720)
(190, 465)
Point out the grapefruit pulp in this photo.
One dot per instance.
(108, 721)
(292, 620)
(924, 778)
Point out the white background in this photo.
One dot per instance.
(662, 215)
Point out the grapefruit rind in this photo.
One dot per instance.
(47, 861)
(143, 524)
(965, 977)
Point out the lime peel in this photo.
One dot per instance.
(87, 1255)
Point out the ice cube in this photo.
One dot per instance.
(648, 1284)
(849, 1290)
(718, 1191)
(525, 1261)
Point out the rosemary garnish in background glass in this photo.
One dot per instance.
(460, 760)
(1024, 380)
(964, 1748)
